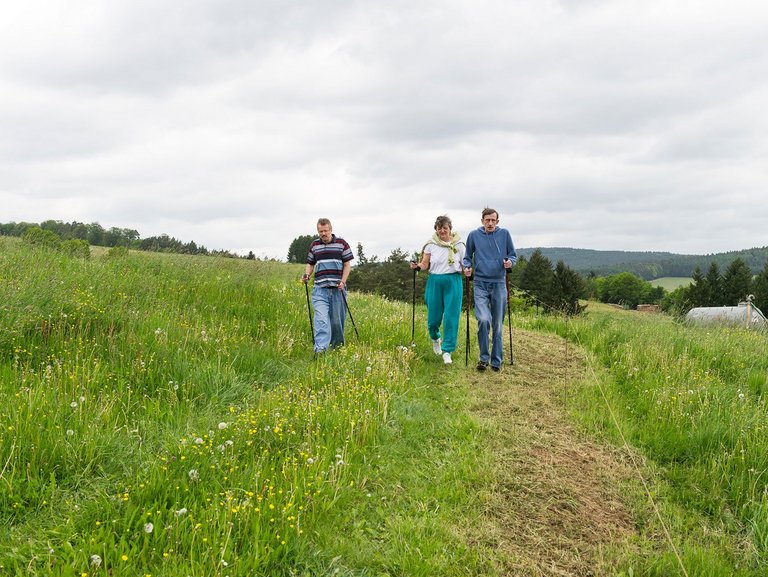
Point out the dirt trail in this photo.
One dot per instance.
(555, 509)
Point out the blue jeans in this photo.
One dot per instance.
(490, 301)
(330, 315)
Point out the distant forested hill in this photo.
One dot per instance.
(647, 265)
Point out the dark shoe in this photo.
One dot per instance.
(495, 369)
(482, 365)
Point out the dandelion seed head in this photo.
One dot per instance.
(95, 560)
(180, 512)
(70, 432)
(223, 426)
(73, 404)
(148, 527)
(193, 475)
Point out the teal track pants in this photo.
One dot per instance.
(443, 296)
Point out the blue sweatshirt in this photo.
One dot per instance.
(488, 250)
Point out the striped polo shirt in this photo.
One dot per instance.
(328, 260)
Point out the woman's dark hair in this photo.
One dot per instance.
(442, 220)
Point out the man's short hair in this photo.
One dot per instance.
(487, 211)
(443, 220)
(323, 222)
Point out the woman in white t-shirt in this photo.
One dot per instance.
(442, 256)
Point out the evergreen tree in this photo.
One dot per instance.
(760, 290)
(516, 275)
(696, 294)
(713, 287)
(536, 279)
(566, 289)
(299, 248)
(737, 282)
(361, 258)
(392, 278)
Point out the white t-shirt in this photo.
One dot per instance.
(438, 258)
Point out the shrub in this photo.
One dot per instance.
(77, 248)
(117, 252)
(38, 237)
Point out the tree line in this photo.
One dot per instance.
(716, 289)
(536, 281)
(96, 235)
(648, 265)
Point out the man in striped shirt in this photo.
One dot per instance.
(330, 259)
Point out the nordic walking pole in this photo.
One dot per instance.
(509, 318)
(469, 297)
(309, 312)
(344, 296)
(413, 314)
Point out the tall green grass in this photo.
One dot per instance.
(694, 401)
(164, 414)
(670, 283)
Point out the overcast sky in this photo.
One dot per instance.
(616, 125)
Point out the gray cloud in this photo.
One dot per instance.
(612, 125)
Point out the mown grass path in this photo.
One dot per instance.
(555, 507)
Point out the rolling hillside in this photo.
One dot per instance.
(647, 265)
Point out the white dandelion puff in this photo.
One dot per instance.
(223, 426)
(95, 560)
(148, 527)
(193, 475)
(182, 511)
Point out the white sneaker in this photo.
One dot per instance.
(447, 358)
(436, 346)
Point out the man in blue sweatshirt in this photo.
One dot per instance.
(490, 254)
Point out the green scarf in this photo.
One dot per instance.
(450, 245)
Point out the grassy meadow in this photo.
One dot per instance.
(691, 401)
(670, 283)
(164, 415)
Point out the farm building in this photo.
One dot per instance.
(744, 315)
